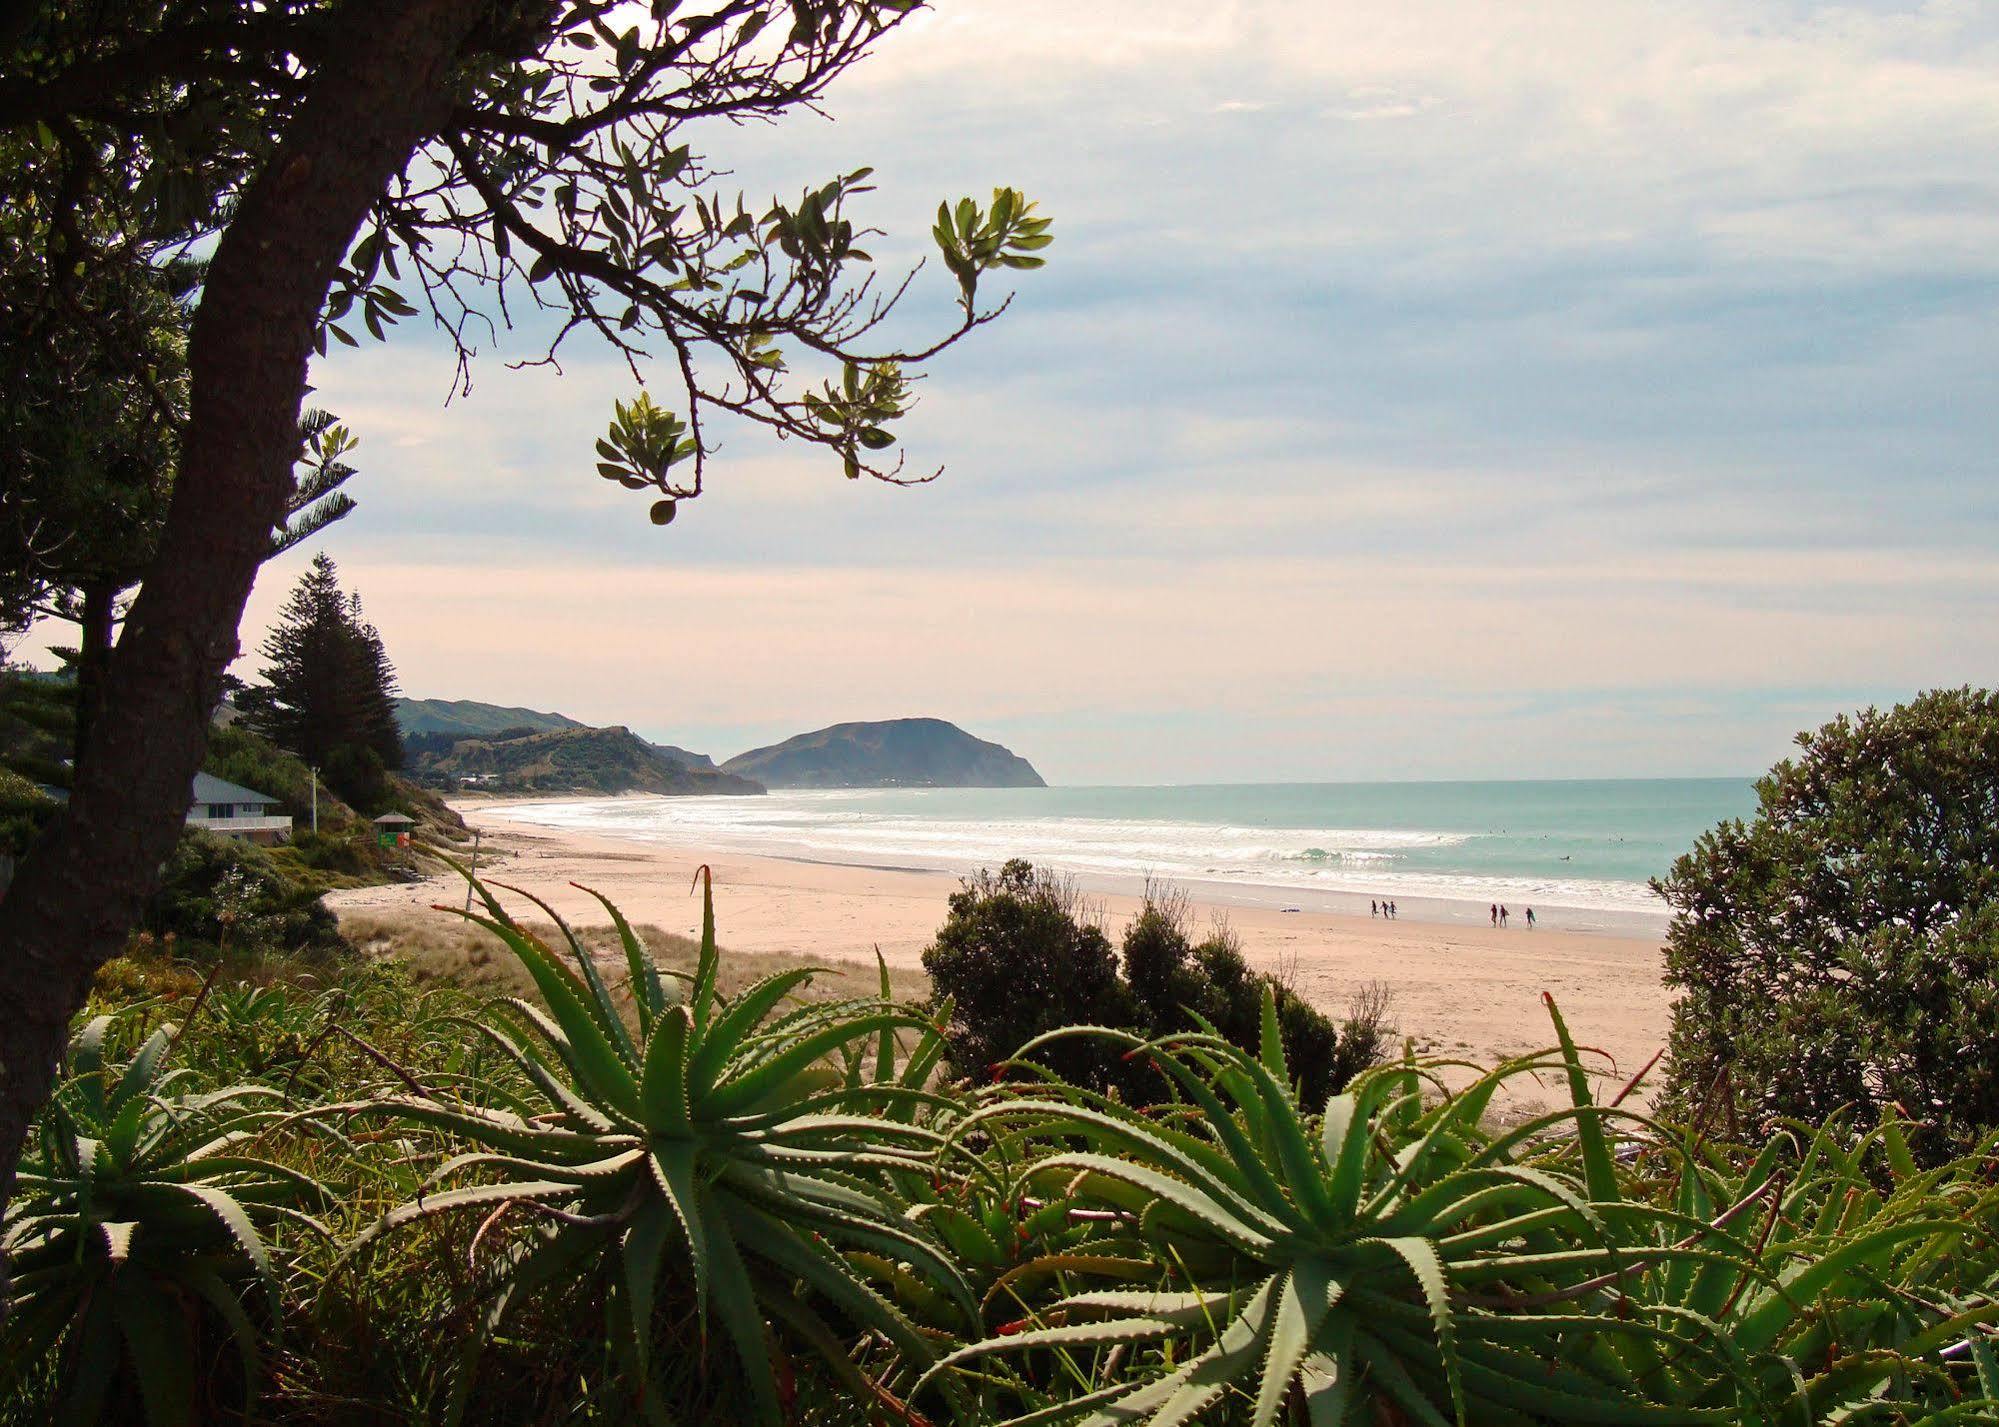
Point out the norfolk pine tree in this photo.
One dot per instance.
(329, 691)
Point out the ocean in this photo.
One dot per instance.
(1579, 852)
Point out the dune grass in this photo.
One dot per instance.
(439, 949)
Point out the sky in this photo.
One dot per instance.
(1416, 389)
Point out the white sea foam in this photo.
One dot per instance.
(854, 828)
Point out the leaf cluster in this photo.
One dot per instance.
(1842, 946)
(564, 177)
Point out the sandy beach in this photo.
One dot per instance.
(1460, 991)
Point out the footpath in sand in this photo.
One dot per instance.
(1460, 991)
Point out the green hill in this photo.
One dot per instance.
(431, 726)
(472, 718)
(895, 753)
(572, 760)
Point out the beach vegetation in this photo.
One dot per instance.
(1177, 982)
(138, 1237)
(1022, 953)
(217, 888)
(1841, 947)
(24, 809)
(711, 1143)
(629, 1194)
(37, 729)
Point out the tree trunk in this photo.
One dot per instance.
(384, 88)
(93, 657)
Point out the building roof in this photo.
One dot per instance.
(209, 789)
(394, 820)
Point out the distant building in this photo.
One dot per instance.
(233, 811)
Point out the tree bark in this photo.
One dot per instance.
(384, 89)
(93, 656)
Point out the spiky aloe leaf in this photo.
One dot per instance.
(586, 965)
(602, 1070)
(647, 990)
(1599, 1166)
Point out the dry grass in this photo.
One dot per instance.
(437, 947)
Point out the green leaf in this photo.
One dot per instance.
(645, 983)
(162, 1357)
(603, 1072)
(1290, 1336)
(1599, 1167)
(663, 1095)
(673, 1166)
(1421, 1257)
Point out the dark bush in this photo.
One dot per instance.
(1173, 980)
(24, 809)
(1019, 959)
(361, 777)
(252, 761)
(1842, 948)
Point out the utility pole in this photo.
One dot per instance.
(475, 870)
(315, 801)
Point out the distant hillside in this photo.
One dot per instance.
(431, 725)
(896, 753)
(468, 716)
(574, 760)
(696, 761)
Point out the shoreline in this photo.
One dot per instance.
(1353, 899)
(1461, 991)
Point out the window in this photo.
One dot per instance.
(221, 810)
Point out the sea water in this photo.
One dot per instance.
(1581, 853)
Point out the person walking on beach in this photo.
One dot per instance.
(1495, 914)
(1502, 914)
(1392, 910)
(1373, 909)
(1530, 919)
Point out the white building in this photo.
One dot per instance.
(233, 811)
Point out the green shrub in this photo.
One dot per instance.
(351, 853)
(239, 756)
(650, 1200)
(1018, 960)
(219, 890)
(1396, 1261)
(1842, 948)
(37, 725)
(1177, 984)
(24, 810)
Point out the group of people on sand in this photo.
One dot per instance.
(1378, 907)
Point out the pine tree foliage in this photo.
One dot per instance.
(329, 690)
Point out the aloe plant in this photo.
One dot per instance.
(140, 1216)
(733, 1147)
(1869, 1277)
(1394, 1261)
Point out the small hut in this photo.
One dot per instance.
(392, 830)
